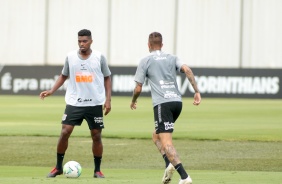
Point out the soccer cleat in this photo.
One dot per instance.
(168, 174)
(99, 174)
(188, 180)
(54, 173)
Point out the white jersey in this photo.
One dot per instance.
(86, 79)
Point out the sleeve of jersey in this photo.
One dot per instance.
(178, 64)
(140, 74)
(104, 67)
(65, 70)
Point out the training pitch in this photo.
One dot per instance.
(221, 141)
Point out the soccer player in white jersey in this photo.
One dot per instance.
(160, 69)
(88, 94)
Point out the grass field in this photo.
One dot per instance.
(221, 141)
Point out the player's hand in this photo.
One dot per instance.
(197, 99)
(133, 105)
(44, 94)
(107, 107)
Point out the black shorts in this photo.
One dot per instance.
(92, 114)
(165, 115)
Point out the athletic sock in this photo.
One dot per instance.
(60, 158)
(166, 160)
(97, 163)
(181, 171)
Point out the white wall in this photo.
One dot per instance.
(203, 33)
(66, 18)
(262, 34)
(22, 31)
(209, 32)
(133, 21)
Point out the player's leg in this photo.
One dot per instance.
(158, 144)
(172, 114)
(97, 145)
(167, 146)
(61, 149)
(166, 141)
(97, 149)
(160, 115)
(94, 118)
(165, 116)
(63, 143)
(72, 116)
(169, 169)
(64, 138)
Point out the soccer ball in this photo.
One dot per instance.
(72, 169)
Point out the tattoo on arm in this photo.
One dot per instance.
(191, 78)
(136, 92)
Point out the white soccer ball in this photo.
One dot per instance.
(72, 169)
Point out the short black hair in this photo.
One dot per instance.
(84, 32)
(155, 38)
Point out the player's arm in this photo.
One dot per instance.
(59, 82)
(108, 89)
(137, 91)
(189, 74)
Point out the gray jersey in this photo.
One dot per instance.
(160, 69)
(86, 79)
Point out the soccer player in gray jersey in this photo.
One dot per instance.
(160, 69)
(88, 93)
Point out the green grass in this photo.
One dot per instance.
(214, 119)
(142, 154)
(221, 141)
(33, 175)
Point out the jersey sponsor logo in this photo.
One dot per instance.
(84, 100)
(166, 84)
(168, 125)
(170, 94)
(159, 58)
(83, 77)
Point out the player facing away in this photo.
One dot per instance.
(160, 69)
(88, 94)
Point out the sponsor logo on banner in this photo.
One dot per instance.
(233, 85)
(245, 83)
(209, 84)
(16, 85)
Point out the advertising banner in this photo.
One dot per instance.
(212, 82)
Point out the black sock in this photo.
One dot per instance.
(97, 163)
(181, 171)
(166, 160)
(60, 158)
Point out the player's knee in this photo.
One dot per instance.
(65, 133)
(155, 137)
(96, 137)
